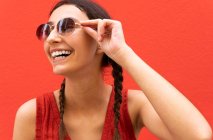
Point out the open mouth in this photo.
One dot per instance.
(58, 55)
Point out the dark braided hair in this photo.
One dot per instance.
(94, 11)
(62, 107)
(118, 79)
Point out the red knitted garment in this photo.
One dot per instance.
(48, 118)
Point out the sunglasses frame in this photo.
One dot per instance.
(51, 27)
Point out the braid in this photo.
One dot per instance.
(118, 79)
(62, 103)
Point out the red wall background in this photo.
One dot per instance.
(175, 37)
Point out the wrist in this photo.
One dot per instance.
(124, 55)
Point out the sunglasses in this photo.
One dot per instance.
(65, 25)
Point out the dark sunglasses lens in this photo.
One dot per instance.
(65, 25)
(43, 31)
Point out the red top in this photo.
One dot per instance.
(47, 119)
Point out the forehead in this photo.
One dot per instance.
(67, 11)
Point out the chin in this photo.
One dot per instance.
(66, 71)
(61, 71)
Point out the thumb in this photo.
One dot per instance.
(91, 32)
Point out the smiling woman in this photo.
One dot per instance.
(80, 40)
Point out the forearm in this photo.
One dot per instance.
(177, 112)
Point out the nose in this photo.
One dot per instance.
(53, 37)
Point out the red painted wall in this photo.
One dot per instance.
(174, 37)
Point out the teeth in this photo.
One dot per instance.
(56, 53)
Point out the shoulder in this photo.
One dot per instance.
(27, 111)
(27, 108)
(25, 119)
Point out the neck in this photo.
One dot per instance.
(86, 91)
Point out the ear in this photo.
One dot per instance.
(99, 50)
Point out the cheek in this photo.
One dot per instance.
(46, 51)
(83, 44)
(45, 48)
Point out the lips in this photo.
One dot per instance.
(59, 55)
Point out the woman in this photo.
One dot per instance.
(80, 39)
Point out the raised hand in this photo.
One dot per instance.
(108, 33)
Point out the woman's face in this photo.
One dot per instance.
(84, 56)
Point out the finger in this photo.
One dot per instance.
(94, 27)
(94, 22)
(89, 22)
(101, 29)
(114, 25)
(91, 32)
